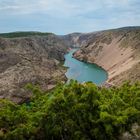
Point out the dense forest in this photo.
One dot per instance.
(72, 111)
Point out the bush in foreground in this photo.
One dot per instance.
(72, 112)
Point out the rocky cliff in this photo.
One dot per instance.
(72, 40)
(117, 51)
(31, 59)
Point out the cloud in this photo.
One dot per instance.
(58, 7)
(63, 16)
(62, 8)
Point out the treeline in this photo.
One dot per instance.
(22, 34)
(72, 112)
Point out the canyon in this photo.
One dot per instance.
(37, 58)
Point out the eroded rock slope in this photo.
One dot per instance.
(34, 59)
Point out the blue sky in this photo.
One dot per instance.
(67, 16)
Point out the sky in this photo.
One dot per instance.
(67, 16)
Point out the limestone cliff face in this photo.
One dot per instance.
(72, 40)
(117, 51)
(30, 60)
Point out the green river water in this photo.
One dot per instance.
(82, 71)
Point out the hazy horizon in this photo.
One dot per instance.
(67, 16)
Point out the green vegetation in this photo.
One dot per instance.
(22, 34)
(72, 112)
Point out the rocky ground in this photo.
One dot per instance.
(35, 59)
(117, 51)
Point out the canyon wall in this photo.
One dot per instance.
(35, 59)
(117, 51)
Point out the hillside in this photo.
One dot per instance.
(117, 51)
(32, 75)
(35, 59)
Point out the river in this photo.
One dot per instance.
(83, 72)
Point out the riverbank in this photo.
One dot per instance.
(120, 62)
(83, 71)
(106, 83)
